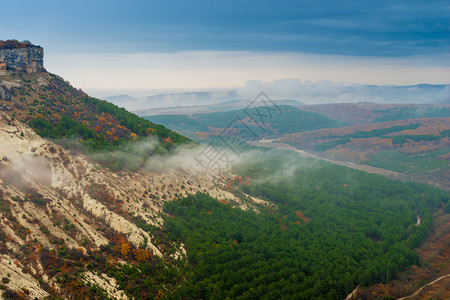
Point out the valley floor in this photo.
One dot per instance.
(365, 168)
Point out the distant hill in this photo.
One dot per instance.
(192, 98)
(171, 99)
(122, 100)
(446, 101)
(369, 112)
(419, 147)
(305, 93)
(331, 92)
(221, 106)
(281, 120)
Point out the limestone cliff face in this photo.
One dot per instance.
(29, 59)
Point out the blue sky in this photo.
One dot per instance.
(400, 33)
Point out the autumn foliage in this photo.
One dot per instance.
(364, 141)
(13, 44)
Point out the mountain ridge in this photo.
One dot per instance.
(307, 93)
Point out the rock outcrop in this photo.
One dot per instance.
(27, 57)
(5, 94)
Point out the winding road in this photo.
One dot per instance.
(365, 168)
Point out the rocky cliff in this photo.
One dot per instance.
(29, 58)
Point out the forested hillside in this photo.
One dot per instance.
(331, 229)
(56, 110)
(277, 120)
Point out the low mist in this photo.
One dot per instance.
(25, 169)
(150, 154)
(306, 92)
(333, 92)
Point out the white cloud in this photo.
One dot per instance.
(200, 70)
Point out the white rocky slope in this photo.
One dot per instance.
(49, 193)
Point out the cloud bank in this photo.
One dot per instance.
(146, 74)
(334, 92)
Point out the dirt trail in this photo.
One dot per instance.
(352, 294)
(419, 220)
(426, 285)
(365, 168)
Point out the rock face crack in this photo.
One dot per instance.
(29, 59)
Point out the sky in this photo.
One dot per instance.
(109, 47)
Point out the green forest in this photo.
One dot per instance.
(66, 126)
(261, 121)
(330, 228)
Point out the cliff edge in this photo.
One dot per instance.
(21, 56)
